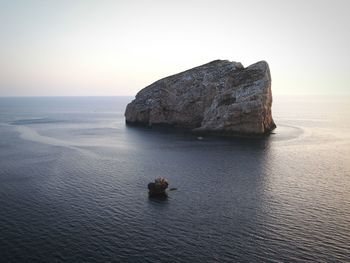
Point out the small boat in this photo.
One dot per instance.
(158, 188)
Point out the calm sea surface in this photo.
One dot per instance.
(73, 186)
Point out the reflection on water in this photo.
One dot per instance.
(158, 199)
(73, 187)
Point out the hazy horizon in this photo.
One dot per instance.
(116, 48)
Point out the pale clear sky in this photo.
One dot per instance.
(78, 48)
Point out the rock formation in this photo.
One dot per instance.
(220, 97)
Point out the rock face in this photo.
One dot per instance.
(220, 97)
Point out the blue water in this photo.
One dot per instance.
(73, 186)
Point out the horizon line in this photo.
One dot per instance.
(106, 96)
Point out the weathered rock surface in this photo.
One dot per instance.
(220, 97)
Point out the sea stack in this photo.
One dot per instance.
(220, 97)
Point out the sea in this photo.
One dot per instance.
(73, 186)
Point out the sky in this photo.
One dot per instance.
(116, 48)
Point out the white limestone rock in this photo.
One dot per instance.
(220, 97)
